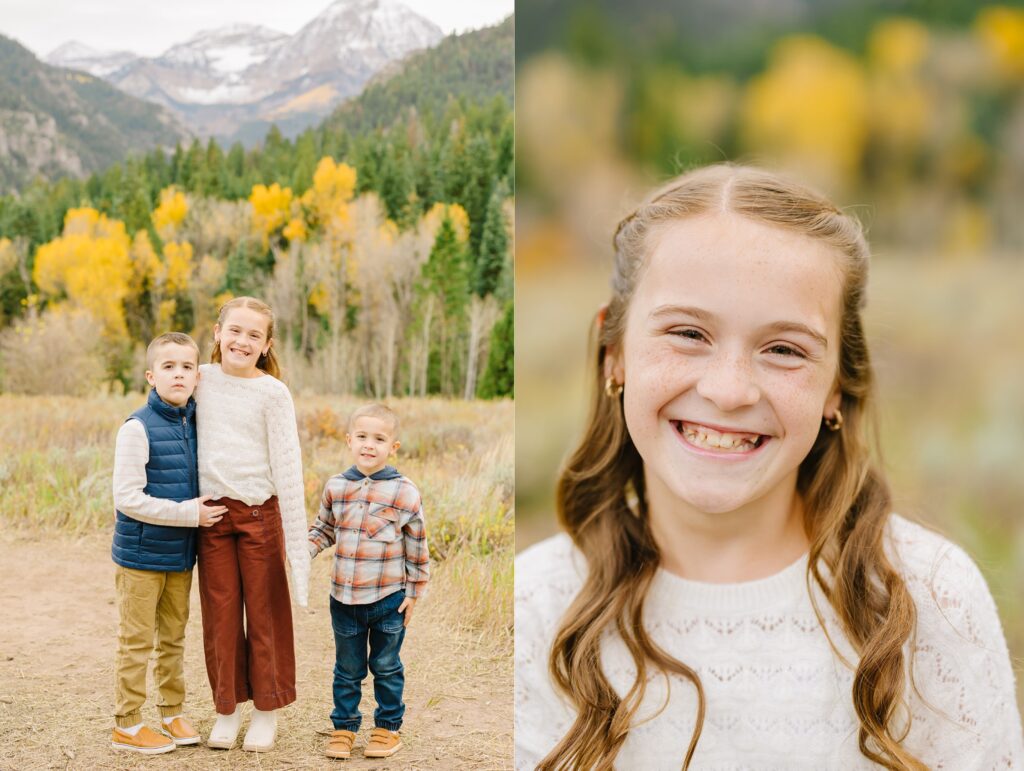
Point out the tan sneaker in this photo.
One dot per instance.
(180, 731)
(383, 743)
(340, 744)
(147, 741)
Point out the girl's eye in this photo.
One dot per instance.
(781, 349)
(688, 334)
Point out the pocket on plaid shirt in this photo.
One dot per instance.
(382, 524)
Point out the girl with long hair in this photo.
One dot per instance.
(733, 590)
(249, 461)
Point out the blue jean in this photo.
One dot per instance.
(381, 625)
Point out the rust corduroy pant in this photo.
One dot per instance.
(242, 566)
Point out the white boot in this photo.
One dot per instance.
(262, 731)
(225, 730)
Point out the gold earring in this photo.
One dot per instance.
(835, 422)
(613, 389)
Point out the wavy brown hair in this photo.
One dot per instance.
(267, 362)
(845, 498)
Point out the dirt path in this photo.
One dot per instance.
(58, 627)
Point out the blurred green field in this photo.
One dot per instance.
(947, 339)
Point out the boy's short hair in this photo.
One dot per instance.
(374, 410)
(177, 338)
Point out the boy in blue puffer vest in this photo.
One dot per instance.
(156, 495)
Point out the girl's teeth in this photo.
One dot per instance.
(708, 439)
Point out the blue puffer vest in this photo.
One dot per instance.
(173, 473)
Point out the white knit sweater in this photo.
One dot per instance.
(249, 450)
(777, 696)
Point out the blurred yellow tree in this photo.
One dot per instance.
(89, 268)
(1001, 30)
(808, 109)
(900, 105)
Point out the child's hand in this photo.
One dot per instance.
(210, 515)
(406, 609)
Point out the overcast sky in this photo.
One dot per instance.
(150, 27)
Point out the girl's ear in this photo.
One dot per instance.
(832, 403)
(613, 367)
(216, 334)
(270, 343)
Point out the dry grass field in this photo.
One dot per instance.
(59, 619)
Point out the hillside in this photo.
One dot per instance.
(57, 122)
(473, 66)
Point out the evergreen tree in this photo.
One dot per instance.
(396, 183)
(212, 178)
(499, 377)
(493, 252)
(446, 277)
(479, 183)
(306, 158)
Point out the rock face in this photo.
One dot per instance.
(31, 141)
(55, 121)
(233, 82)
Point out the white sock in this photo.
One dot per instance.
(133, 730)
(171, 719)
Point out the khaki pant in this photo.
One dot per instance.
(154, 607)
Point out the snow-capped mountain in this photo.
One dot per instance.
(208, 69)
(233, 81)
(79, 56)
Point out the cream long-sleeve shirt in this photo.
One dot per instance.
(249, 450)
(777, 696)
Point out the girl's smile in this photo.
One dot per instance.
(719, 442)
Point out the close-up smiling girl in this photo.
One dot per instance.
(733, 590)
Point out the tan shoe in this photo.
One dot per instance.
(340, 744)
(383, 743)
(147, 741)
(180, 731)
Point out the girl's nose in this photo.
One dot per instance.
(728, 382)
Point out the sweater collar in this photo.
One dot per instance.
(168, 411)
(353, 474)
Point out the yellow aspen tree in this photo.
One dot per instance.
(170, 213)
(88, 267)
(334, 184)
(271, 209)
(177, 266)
(458, 216)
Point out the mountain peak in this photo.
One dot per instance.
(72, 49)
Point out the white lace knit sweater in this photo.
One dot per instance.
(777, 696)
(249, 450)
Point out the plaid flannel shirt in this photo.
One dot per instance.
(377, 524)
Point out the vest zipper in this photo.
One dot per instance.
(191, 466)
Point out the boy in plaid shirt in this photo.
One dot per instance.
(375, 517)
